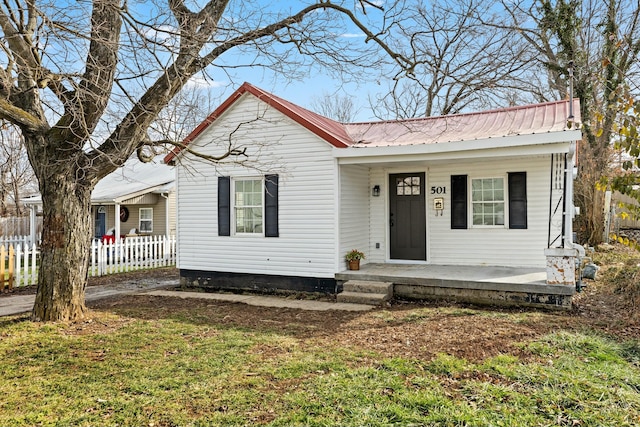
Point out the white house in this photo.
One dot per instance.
(488, 189)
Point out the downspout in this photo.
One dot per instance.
(550, 203)
(568, 197)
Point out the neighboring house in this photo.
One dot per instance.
(138, 198)
(480, 189)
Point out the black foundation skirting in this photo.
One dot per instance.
(216, 280)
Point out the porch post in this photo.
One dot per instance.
(117, 223)
(561, 266)
(166, 215)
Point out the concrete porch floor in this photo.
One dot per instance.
(373, 271)
(482, 278)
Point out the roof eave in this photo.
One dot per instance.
(459, 146)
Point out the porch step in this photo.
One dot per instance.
(365, 292)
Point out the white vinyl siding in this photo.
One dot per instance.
(498, 246)
(307, 190)
(354, 212)
(378, 217)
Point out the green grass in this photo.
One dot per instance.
(182, 370)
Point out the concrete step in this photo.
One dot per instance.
(362, 298)
(369, 287)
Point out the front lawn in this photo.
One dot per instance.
(149, 361)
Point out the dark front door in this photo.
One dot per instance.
(407, 217)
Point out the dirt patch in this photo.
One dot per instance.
(418, 330)
(413, 330)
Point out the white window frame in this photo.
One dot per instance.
(504, 202)
(140, 219)
(235, 209)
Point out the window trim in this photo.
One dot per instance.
(149, 220)
(233, 207)
(505, 198)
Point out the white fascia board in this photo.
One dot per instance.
(535, 150)
(517, 144)
(124, 197)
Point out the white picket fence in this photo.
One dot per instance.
(129, 254)
(7, 241)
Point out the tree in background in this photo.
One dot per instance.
(16, 175)
(335, 106)
(84, 81)
(463, 59)
(602, 40)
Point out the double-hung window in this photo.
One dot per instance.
(487, 201)
(248, 205)
(146, 220)
(491, 199)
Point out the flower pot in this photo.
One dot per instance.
(354, 264)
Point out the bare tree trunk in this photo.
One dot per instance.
(66, 245)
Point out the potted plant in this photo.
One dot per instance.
(353, 257)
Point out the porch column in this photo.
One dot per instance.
(166, 214)
(561, 266)
(117, 223)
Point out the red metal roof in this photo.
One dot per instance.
(524, 120)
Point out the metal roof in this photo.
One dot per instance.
(133, 179)
(524, 120)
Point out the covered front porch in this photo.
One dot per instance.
(475, 284)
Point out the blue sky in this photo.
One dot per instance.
(314, 81)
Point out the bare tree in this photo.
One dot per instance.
(85, 80)
(600, 42)
(335, 106)
(460, 63)
(16, 174)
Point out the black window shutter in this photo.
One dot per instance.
(459, 201)
(518, 200)
(271, 206)
(224, 206)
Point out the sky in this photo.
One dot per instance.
(302, 90)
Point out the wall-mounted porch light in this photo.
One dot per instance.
(375, 191)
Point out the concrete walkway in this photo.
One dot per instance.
(266, 301)
(18, 304)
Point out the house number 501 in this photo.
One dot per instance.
(438, 190)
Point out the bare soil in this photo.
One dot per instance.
(404, 329)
